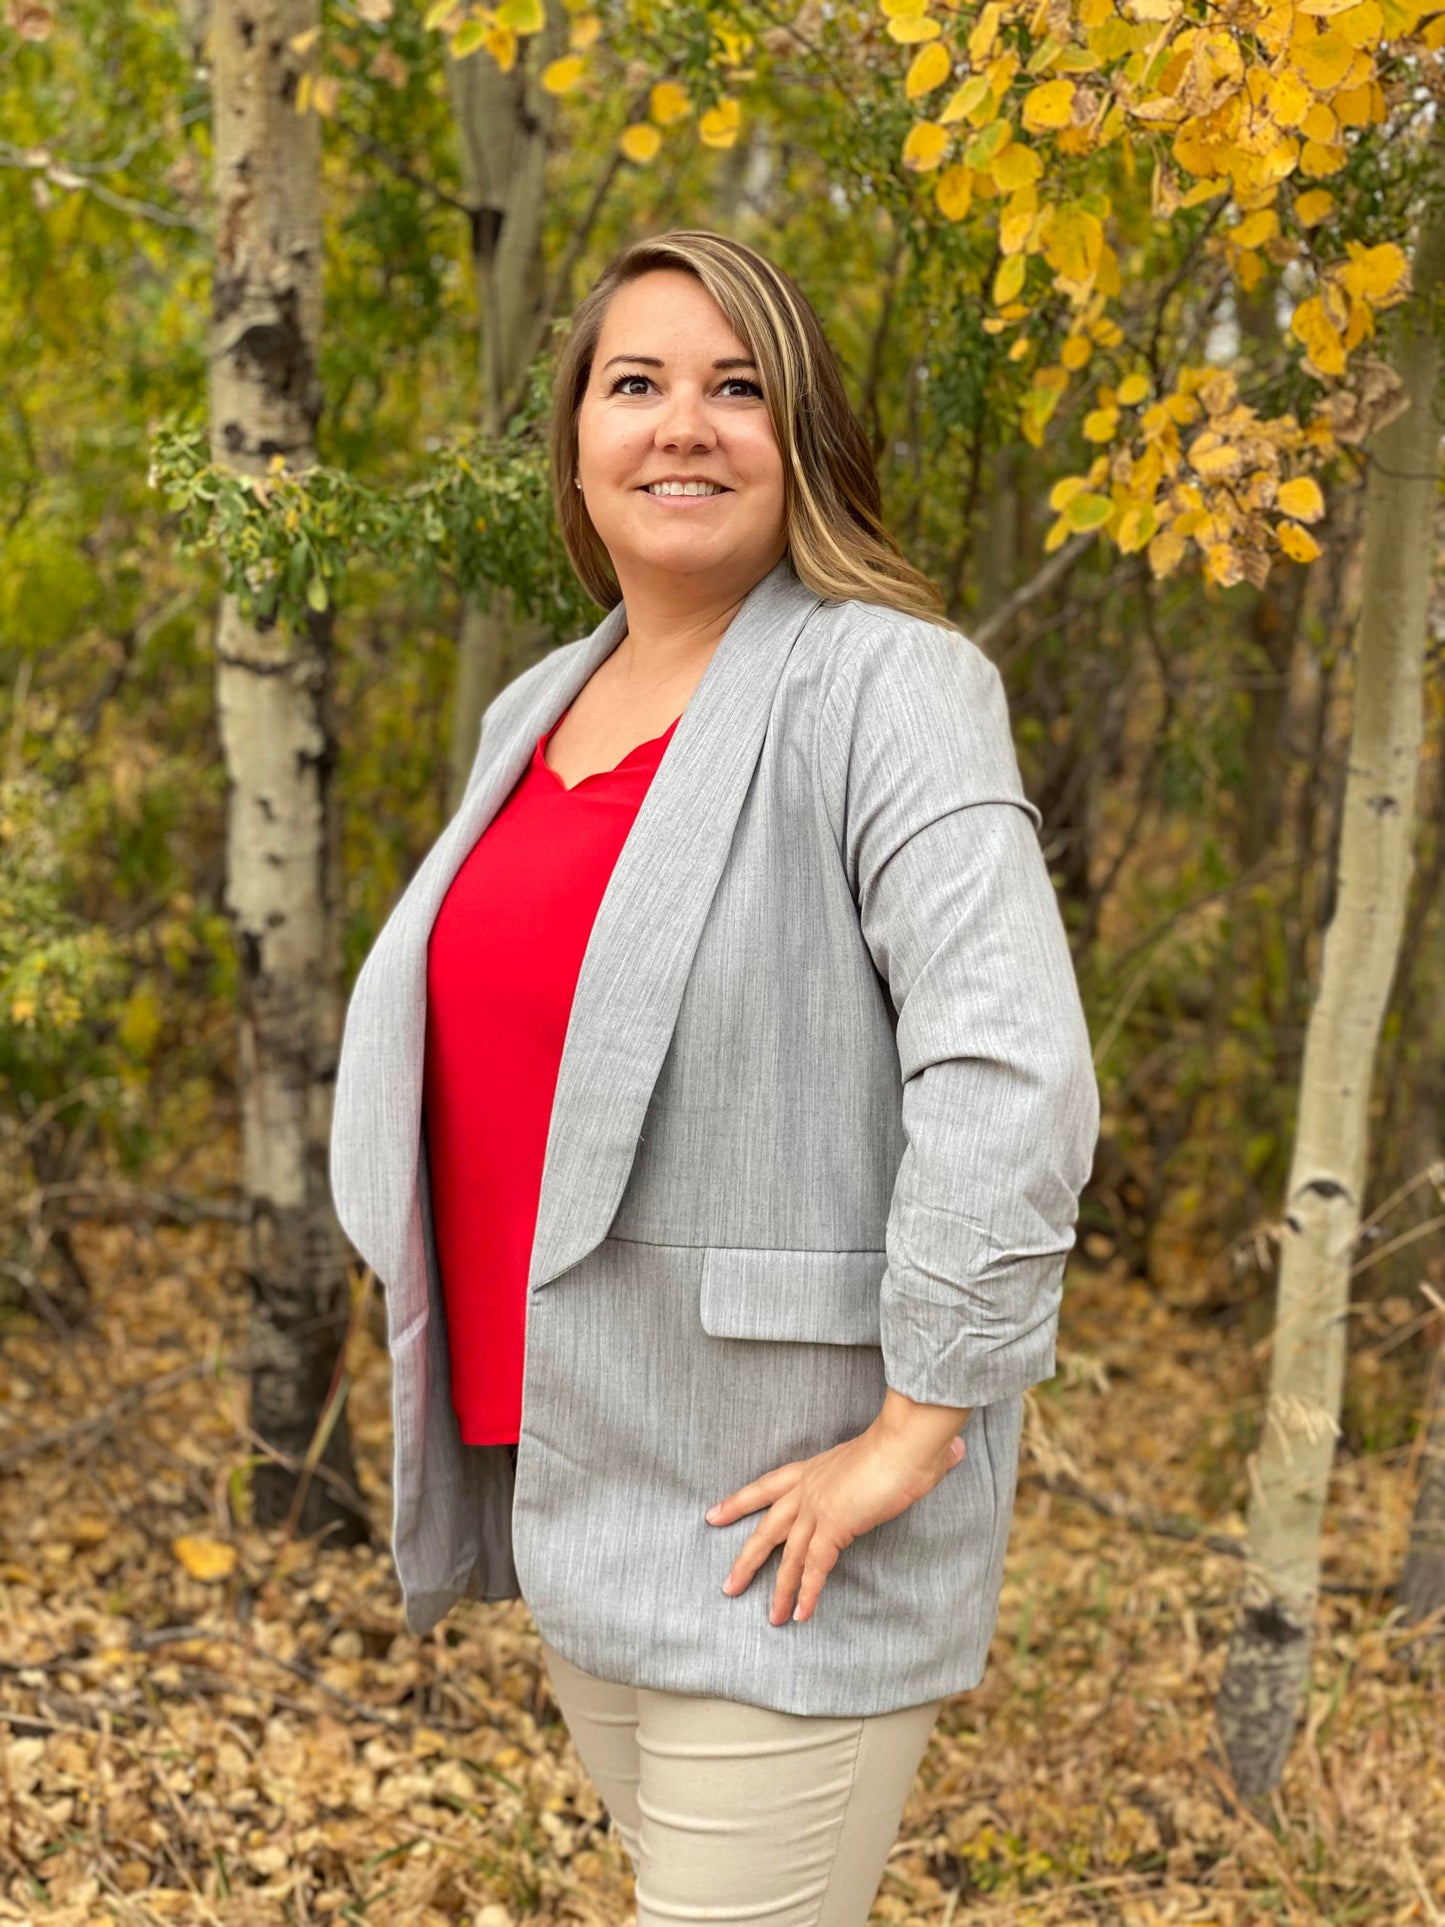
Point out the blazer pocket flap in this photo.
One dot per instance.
(816, 1297)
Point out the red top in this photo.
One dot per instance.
(502, 966)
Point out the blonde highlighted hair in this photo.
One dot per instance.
(832, 504)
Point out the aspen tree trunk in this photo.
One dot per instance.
(1421, 1592)
(1267, 1667)
(504, 125)
(273, 690)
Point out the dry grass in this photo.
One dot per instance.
(300, 1757)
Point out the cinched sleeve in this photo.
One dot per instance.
(1000, 1106)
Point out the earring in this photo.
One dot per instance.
(577, 481)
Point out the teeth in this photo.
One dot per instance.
(683, 488)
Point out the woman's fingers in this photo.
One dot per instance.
(804, 1574)
(758, 1493)
(775, 1525)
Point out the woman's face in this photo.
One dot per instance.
(674, 396)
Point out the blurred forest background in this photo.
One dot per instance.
(1140, 308)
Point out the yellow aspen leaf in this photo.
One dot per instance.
(1213, 458)
(325, 94)
(1087, 511)
(930, 67)
(1049, 105)
(1009, 279)
(1059, 531)
(1310, 325)
(1045, 54)
(1298, 544)
(984, 33)
(896, 9)
(1224, 564)
(302, 43)
(1073, 242)
(719, 125)
(501, 44)
(1132, 390)
(1359, 106)
(1314, 206)
(1324, 61)
(439, 13)
(1323, 9)
(1380, 274)
(205, 1559)
(1136, 525)
(1166, 552)
(953, 191)
(1362, 25)
(1153, 9)
(987, 142)
(1320, 124)
(1288, 99)
(668, 103)
(303, 93)
(640, 142)
(1255, 228)
(733, 46)
(1302, 499)
(1076, 352)
(1101, 424)
(522, 16)
(1017, 166)
(583, 31)
(1064, 491)
(909, 28)
(1206, 190)
(560, 76)
(971, 95)
(1001, 74)
(1015, 227)
(926, 145)
(1317, 161)
(470, 35)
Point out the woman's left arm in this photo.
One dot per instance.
(1000, 1105)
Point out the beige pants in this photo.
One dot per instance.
(738, 1813)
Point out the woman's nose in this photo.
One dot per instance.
(685, 420)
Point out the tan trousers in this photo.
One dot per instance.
(739, 1813)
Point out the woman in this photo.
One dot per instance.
(727, 1049)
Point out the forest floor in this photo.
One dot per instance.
(204, 1722)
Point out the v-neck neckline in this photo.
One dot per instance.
(567, 789)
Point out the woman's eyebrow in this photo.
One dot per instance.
(652, 361)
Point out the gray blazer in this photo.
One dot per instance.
(825, 1108)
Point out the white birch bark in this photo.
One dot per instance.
(273, 691)
(1267, 1668)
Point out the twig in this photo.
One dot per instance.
(105, 1419)
(1166, 1526)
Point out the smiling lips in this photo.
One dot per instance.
(679, 491)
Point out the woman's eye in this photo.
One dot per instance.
(733, 381)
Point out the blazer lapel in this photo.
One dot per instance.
(649, 922)
(376, 1133)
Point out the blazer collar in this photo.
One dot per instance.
(633, 973)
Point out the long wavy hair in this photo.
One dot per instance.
(832, 504)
